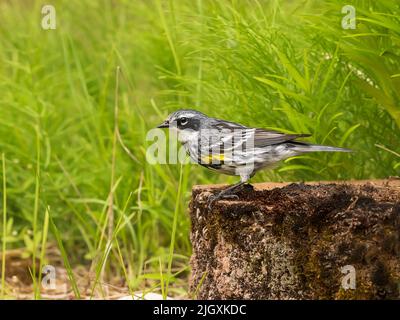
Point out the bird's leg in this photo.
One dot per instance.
(225, 194)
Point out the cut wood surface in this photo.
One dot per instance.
(319, 240)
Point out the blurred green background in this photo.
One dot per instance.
(285, 65)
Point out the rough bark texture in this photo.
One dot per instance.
(290, 241)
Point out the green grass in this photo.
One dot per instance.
(285, 65)
(4, 231)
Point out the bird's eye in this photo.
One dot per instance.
(183, 121)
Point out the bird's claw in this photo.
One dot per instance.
(220, 196)
(210, 202)
(230, 196)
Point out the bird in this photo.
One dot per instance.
(235, 149)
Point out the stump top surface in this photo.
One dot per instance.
(391, 182)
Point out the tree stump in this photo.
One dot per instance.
(336, 240)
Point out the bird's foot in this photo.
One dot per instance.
(247, 186)
(220, 196)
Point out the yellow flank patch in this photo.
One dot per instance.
(216, 158)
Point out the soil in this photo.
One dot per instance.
(19, 284)
(112, 286)
(291, 241)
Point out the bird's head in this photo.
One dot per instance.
(186, 122)
(184, 119)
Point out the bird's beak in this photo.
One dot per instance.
(165, 124)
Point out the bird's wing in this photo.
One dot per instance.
(230, 137)
(264, 137)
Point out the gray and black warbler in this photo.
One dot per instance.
(234, 149)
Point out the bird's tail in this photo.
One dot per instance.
(317, 148)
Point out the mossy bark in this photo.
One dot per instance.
(292, 241)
